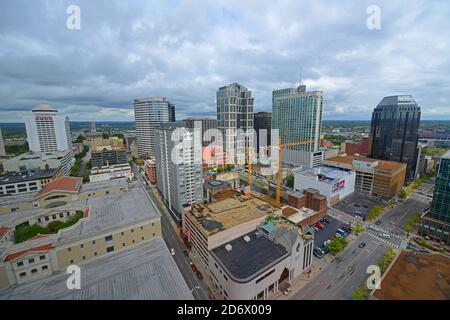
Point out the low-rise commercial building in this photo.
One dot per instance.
(333, 183)
(115, 216)
(380, 178)
(311, 199)
(150, 169)
(256, 265)
(40, 160)
(12, 183)
(111, 172)
(108, 157)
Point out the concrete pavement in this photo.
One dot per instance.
(170, 236)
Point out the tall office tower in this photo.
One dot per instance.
(436, 223)
(2, 145)
(394, 131)
(205, 125)
(46, 131)
(93, 128)
(263, 126)
(178, 166)
(235, 121)
(297, 114)
(148, 114)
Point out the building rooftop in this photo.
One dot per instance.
(39, 155)
(416, 276)
(27, 175)
(92, 186)
(229, 212)
(382, 164)
(215, 185)
(16, 198)
(249, 256)
(114, 210)
(145, 272)
(325, 174)
(65, 184)
(297, 215)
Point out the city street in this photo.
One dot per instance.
(346, 272)
(199, 290)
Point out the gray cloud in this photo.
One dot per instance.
(185, 50)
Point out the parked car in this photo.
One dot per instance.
(317, 253)
(190, 261)
(199, 275)
(378, 222)
(342, 232)
(362, 245)
(318, 226)
(194, 268)
(326, 242)
(172, 251)
(338, 235)
(326, 219)
(186, 254)
(325, 249)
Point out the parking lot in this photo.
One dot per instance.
(327, 232)
(358, 202)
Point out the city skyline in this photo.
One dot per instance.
(261, 46)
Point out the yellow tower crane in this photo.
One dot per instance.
(280, 154)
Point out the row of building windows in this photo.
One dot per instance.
(34, 271)
(30, 261)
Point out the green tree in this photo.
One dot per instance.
(105, 135)
(290, 181)
(80, 139)
(357, 294)
(358, 228)
(387, 259)
(337, 244)
(375, 212)
(402, 194)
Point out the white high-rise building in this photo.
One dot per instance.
(297, 114)
(47, 131)
(235, 121)
(2, 145)
(179, 174)
(149, 113)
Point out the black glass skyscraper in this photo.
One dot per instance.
(394, 131)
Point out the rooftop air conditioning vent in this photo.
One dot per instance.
(228, 247)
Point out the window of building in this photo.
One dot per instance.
(110, 249)
(93, 241)
(69, 249)
(84, 257)
(132, 230)
(44, 268)
(81, 246)
(23, 274)
(47, 218)
(61, 215)
(133, 241)
(33, 271)
(42, 257)
(122, 233)
(39, 220)
(142, 238)
(54, 217)
(123, 244)
(30, 261)
(142, 227)
(95, 254)
(108, 238)
(20, 263)
(71, 261)
(153, 234)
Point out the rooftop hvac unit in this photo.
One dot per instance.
(247, 239)
(228, 247)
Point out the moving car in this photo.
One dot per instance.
(362, 245)
(194, 268)
(186, 254)
(385, 235)
(199, 275)
(172, 251)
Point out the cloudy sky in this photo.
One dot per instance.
(185, 50)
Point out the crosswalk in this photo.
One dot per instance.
(385, 241)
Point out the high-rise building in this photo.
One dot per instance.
(2, 145)
(394, 131)
(205, 125)
(93, 128)
(436, 223)
(178, 166)
(235, 121)
(46, 131)
(148, 114)
(297, 114)
(263, 126)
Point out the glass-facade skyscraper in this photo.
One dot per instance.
(394, 131)
(436, 223)
(149, 113)
(297, 114)
(235, 121)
